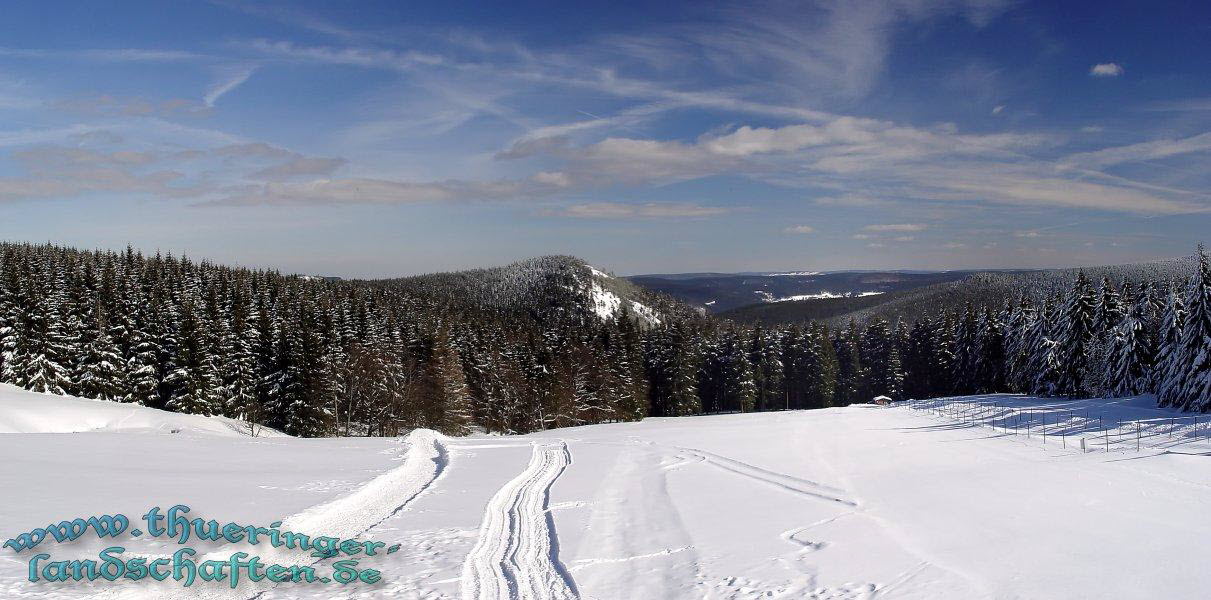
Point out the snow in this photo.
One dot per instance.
(645, 312)
(598, 272)
(933, 499)
(795, 274)
(23, 411)
(607, 304)
(512, 555)
(768, 297)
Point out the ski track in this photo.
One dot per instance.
(789, 483)
(516, 555)
(636, 544)
(425, 459)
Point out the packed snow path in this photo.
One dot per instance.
(424, 457)
(516, 555)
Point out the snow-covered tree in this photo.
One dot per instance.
(1190, 387)
(1132, 354)
(1077, 330)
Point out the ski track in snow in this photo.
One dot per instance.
(636, 544)
(425, 459)
(516, 555)
(789, 483)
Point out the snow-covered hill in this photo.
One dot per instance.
(961, 499)
(546, 286)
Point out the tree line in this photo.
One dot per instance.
(521, 349)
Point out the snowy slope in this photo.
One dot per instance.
(931, 501)
(608, 305)
(22, 411)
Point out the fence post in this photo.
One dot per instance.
(1137, 436)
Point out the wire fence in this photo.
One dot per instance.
(1082, 427)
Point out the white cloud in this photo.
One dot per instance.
(996, 110)
(651, 210)
(896, 227)
(1106, 70)
(904, 238)
(1027, 234)
(800, 229)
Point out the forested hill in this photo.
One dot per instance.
(540, 288)
(542, 343)
(983, 290)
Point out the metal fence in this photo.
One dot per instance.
(1086, 428)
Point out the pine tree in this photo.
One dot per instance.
(1190, 388)
(194, 382)
(1078, 330)
(1131, 355)
(1110, 310)
(1017, 346)
(853, 376)
(99, 370)
(740, 390)
(822, 367)
(1043, 367)
(942, 378)
(881, 360)
(447, 386)
(39, 364)
(990, 358)
(967, 352)
(919, 360)
(1167, 376)
(768, 370)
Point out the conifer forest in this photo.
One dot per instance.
(528, 347)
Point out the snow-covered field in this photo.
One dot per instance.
(856, 502)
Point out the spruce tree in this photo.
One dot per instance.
(1078, 327)
(1131, 355)
(1190, 385)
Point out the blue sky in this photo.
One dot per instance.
(378, 139)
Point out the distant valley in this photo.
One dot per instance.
(722, 292)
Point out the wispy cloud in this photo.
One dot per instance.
(1152, 150)
(132, 106)
(850, 200)
(651, 210)
(802, 229)
(135, 55)
(229, 79)
(896, 227)
(1183, 105)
